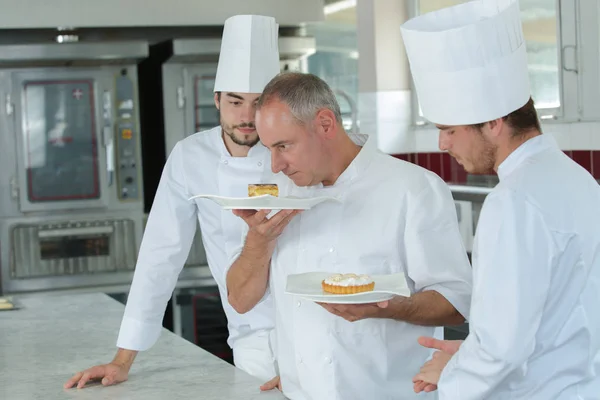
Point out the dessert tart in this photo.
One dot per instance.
(260, 189)
(348, 284)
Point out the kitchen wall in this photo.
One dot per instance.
(563, 44)
(579, 140)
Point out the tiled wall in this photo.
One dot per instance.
(450, 171)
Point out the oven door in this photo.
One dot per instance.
(60, 150)
(201, 114)
(189, 104)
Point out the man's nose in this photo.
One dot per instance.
(276, 163)
(444, 141)
(248, 113)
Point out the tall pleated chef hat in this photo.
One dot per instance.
(468, 62)
(249, 56)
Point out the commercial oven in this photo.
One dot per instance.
(71, 199)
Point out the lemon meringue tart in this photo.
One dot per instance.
(348, 284)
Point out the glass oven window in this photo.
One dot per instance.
(206, 114)
(60, 140)
(74, 247)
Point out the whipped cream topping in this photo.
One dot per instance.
(348, 280)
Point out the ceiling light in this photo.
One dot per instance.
(339, 6)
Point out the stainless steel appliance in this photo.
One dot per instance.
(188, 99)
(71, 199)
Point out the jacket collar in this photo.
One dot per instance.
(526, 150)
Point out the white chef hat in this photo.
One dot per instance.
(468, 62)
(249, 56)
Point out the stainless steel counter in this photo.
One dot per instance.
(52, 337)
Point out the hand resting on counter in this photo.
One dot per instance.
(116, 371)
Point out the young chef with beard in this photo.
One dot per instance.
(221, 161)
(534, 326)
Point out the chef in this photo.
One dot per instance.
(223, 161)
(393, 218)
(535, 326)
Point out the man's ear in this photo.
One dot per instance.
(218, 100)
(326, 123)
(495, 127)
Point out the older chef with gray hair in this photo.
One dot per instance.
(393, 218)
(223, 161)
(535, 325)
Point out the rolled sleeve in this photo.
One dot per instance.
(436, 257)
(456, 295)
(235, 254)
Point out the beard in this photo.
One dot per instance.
(229, 130)
(483, 159)
(486, 161)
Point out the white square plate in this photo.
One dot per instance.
(265, 202)
(308, 286)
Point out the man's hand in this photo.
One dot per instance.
(421, 386)
(356, 312)
(115, 372)
(268, 229)
(447, 346)
(430, 373)
(429, 376)
(108, 374)
(272, 384)
(247, 278)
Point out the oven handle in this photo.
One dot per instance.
(108, 136)
(93, 230)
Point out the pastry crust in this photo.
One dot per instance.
(348, 289)
(260, 189)
(348, 284)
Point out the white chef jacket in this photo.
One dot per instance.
(395, 217)
(535, 325)
(199, 164)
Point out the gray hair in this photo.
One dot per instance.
(304, 94)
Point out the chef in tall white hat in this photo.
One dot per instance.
(534, 323)
(221, 161)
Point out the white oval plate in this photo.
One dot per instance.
(265, 202)
(308, 286)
